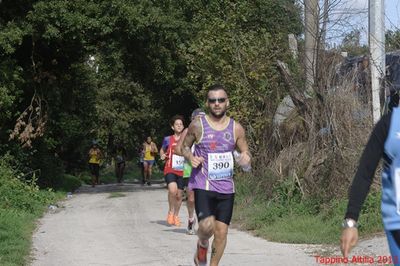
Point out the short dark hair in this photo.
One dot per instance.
(216, 87)
(176, 117)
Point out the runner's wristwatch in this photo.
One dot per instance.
(349, 223)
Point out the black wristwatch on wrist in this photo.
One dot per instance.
(349, 223)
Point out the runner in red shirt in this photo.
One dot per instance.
(173, 170)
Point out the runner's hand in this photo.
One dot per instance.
(348, 240)
(196, 161)
(163, 156)
(244, 159)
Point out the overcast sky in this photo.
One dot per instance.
(353, 14)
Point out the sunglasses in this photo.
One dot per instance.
(214, 100)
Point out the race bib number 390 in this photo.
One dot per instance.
(177, 162)
(220, 166)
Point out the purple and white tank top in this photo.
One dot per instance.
(216, 147)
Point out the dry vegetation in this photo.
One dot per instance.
(318, 146)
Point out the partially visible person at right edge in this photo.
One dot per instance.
(384, 142)
(216, 136)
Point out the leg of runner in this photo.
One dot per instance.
(149, 171)
(93, 181)
(172, 192)
(190, 207)
(142, 171)
(205, 231)
(122, 171)
(145, 171)
(97, 173)
(177, 206)
(219, 242)
(117, 171)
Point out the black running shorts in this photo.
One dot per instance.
(169, 178)
(94, 169)
(185, 182)
(209, 203)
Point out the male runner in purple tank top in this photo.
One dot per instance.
(216, 136)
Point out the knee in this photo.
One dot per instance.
(220, 231)
(206, 226)
(173, 191)
(179, 196)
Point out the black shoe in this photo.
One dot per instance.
(148, 183)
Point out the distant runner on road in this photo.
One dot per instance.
(173, 170)
(95, 156)
(187, 170)
(150, 151)
(119, 161)
(216, 136)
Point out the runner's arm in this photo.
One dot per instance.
(178, 147)
(369, 161)
(193, 134)
(241, 144)
(164, 148)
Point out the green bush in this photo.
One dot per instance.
(18, 194)
(15, 236)
(67, 183)
(21, 202)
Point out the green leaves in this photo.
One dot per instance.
(11, 37)
(152, 59)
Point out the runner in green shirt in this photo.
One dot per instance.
(187, 170)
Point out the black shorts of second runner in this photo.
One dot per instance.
(186, 182)
(209, 203)
(94, 169)
(169, 178)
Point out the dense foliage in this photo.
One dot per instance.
(115, 71)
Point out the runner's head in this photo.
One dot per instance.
(197, 113)
(176, 123)
(94, 144)
(217, 100)
(148, 139)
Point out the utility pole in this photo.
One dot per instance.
(311, 17)
(377, 53)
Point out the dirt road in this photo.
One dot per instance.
(93, 228)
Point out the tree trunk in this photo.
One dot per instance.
(311, 15)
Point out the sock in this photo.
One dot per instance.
(203, 243)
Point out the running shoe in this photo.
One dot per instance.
(200, 257)
(148, 183)
(170, 219)
(190, 228)
(177, 221)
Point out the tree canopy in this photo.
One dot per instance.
(116, 71)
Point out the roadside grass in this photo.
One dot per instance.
(116, 195)
(300, 221)
(17, 226)
(21, 204)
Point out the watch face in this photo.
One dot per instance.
(349, 223)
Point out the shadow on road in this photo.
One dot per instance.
(160, 222)
(123, 187)
(177, 230)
